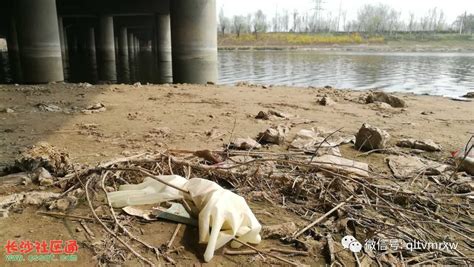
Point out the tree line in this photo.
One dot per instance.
(370, 19)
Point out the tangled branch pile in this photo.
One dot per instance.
(373, 208)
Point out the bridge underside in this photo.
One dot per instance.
(45, 37)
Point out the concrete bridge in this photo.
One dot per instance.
(103, 38)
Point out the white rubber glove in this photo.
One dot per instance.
(226, 213)
(150, 191)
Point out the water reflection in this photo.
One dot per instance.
(449, 74)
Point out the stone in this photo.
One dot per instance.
(343, 165)
(426, 145)
(404, 167)
(273, 135)
(63, 204)
(245, 144)
(262, 115)
(48, 108)
(469, 95)
(85, 85)
(8, 110)
(41, 174)
(310, 141)
(271, 114)
(383, 105)
(386, 98)
(465, 161)
(326, 101)
(38, 198)
(279, 114)
(427, 112)
(369, 138)
(137, 84)
(279, 231)
(96, 108)
(55, 161)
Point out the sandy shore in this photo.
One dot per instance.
(201, 117)
(191, 117)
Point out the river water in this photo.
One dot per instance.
(445, 74)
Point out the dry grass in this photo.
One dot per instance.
(295, 39)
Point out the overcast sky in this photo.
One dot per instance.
(451, 8)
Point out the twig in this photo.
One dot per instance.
(170, 243)
(297, 234)
(125, 230)
(266, 253)
(71, 216)
(279, 250)
(87, 229)
(110, 231)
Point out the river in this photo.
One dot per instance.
(445, 74)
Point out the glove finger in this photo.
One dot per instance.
(217, 223)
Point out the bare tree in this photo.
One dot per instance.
(276, 22)
(224, 22)
(296, 21)
(285, 21)
(377, 18)
(411, 22)
(238, 24)
(259, 23)
(464, 23)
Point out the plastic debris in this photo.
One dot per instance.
(226, 213)
(150, 191)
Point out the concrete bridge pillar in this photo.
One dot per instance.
(162, 48)
(123, 47)
(14, 52)
(131, 55)
(62, 40)
(194, 41)
(39, 40)
(91, 53)
(106, 50)
(137, 46)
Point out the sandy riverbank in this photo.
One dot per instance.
(191, 117)
(191, 112)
